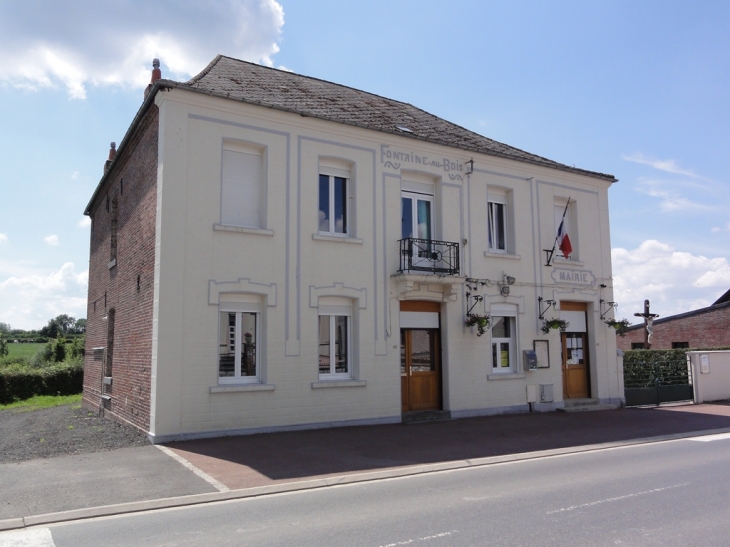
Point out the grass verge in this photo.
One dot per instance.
(43, 401)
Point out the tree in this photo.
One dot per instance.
(80, 326)
(5, 327)
(3, 347)
(51, 330)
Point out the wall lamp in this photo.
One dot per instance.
(507, 280)
(470, 166)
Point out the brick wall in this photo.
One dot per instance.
(127, 287)
(705, 329)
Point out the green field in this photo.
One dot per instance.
(23, 350)
(43, 401)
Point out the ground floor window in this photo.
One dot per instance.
(334, 346)
(503, 343)
(237, 346)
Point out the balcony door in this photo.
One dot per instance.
(417, 223)
(416, 216)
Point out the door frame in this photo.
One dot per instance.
(579, 307)
(406, 386)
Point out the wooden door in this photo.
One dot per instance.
(420, 370)
(575, 365)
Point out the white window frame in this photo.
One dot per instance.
(492, 201)
(415, 197)
(239, 308)
(335, 169)
(509, 313)
(334, 307)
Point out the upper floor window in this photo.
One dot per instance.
(497, 222)
(241, 186)
(416, 216)
(334, 197)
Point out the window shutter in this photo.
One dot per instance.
(241, 189)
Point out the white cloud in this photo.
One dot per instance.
(32, 297)
(717, 229)
(670, 194)
(670, 166)
(52, 240)
(77, 43)
(673, 281)
(3, 238)
(85, 222)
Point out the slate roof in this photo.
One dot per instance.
(252, 83)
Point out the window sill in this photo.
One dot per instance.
(112, 263)
(564, 262)
(340, 239)
(324, 384)
(506, 376)
(242, 230)
(495, 254)
(232, 388)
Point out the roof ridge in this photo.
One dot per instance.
(195, 79)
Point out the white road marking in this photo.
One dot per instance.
(199, 472)
(708, 438)
(30, 537)
(424, 538)
(619, 498)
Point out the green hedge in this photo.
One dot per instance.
(61, 379)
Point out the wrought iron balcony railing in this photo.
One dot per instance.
(428, 255)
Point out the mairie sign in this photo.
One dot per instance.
(574, 277)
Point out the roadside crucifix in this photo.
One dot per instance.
(648, 324)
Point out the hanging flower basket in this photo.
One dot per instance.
(481, 322)
(554, 324)
(621, 325)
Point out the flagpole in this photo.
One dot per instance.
(552, 251)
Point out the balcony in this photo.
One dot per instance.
(429, 256)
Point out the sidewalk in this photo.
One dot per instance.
(145, 478)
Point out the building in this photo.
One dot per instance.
(272, 251)
(704, 328)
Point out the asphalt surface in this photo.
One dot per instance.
(135, 479)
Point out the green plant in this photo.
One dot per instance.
(554, 323)
(3, 347)
(620, 325)
(478, 320)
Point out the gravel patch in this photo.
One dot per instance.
(61, 431)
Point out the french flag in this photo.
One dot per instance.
(563, 240)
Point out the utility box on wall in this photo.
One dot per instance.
(546, 393)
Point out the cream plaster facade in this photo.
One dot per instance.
(288, 265)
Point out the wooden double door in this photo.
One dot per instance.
(420, 356)
(420, 369)
(575, 365)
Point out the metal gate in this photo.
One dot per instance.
(658, 382)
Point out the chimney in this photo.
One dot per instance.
(156, 75)
(110, 159)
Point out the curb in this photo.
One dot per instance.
(197, 499)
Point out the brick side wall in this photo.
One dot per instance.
(710, 329)
(133, 184)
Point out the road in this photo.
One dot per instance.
(668, 493)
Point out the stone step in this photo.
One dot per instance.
(425, 416)
(581, 402)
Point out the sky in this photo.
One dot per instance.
(635, 89)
